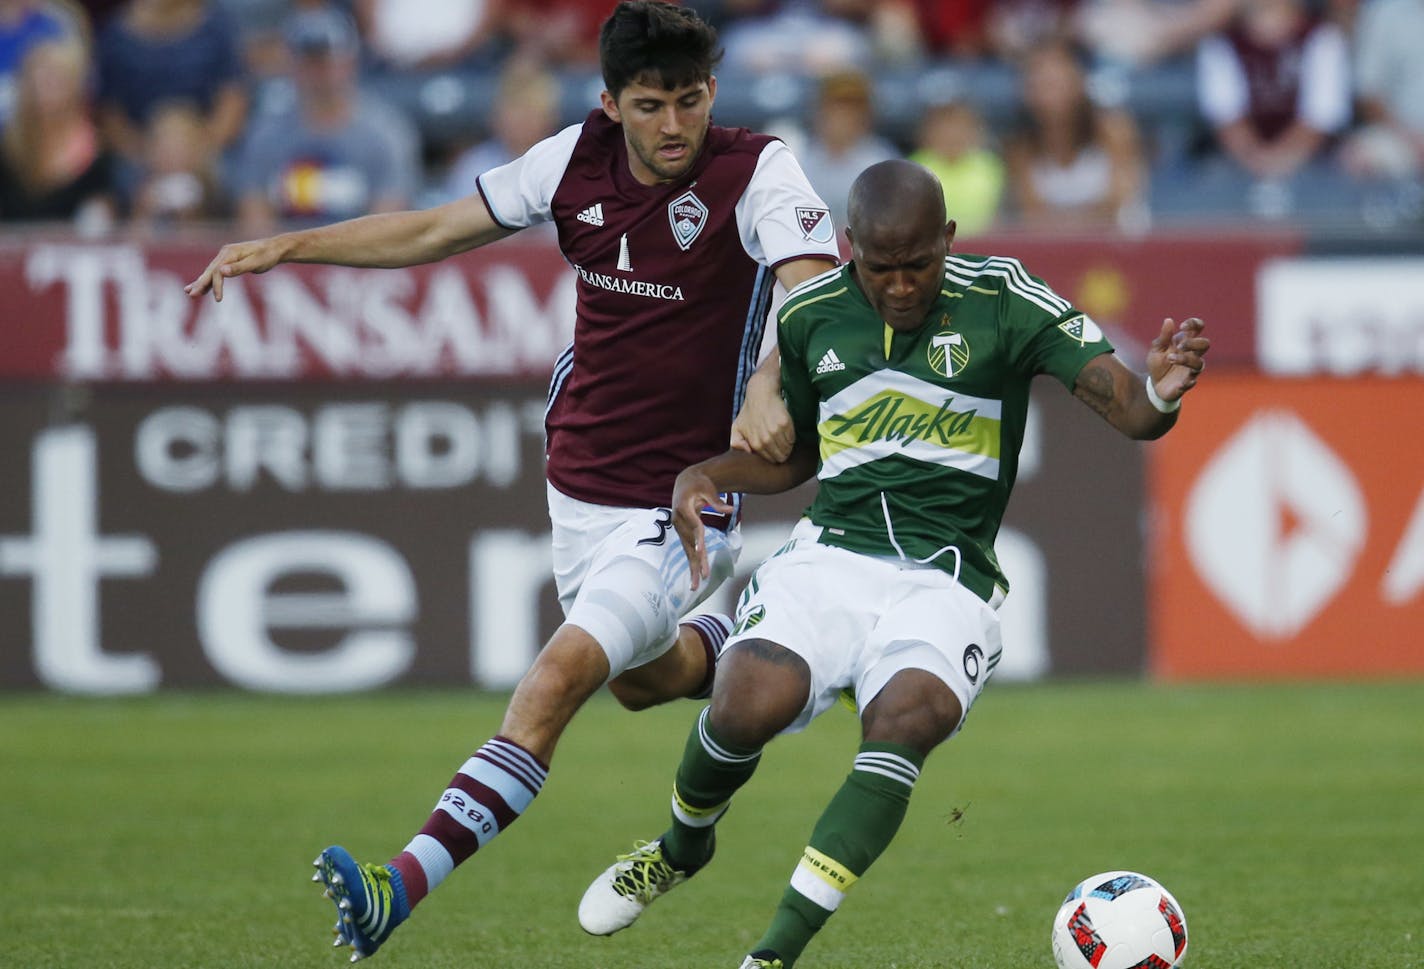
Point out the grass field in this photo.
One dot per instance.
(177, 831)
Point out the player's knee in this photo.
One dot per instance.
(922, 724)
(761, 688)
(635, 696)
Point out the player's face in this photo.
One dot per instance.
(664, 129)
(901, 270)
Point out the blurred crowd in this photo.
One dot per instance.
(145, 115)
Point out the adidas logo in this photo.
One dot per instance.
(593, 215)
(830, 363)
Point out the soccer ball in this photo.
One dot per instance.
(1119, 920)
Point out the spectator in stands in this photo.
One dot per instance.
(1071, 162)
(179, 183)
(796, 36)
(335, 153)
(259, 29)
(52, 164)
(843, 141)
(562, 32)
(424, 35)
(1137, 33)
(525, 112)
(23, 24)
(1389, 72)
(952, 145)
(157, 51)
(1275, 87)
(1004, 29)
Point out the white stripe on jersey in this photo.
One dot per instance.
(563, 366)
(1014, 277)
(844, 460)
(1028, 282)
(820, 279)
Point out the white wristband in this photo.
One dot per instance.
(1165, 406)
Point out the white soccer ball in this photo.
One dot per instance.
(1119, 920)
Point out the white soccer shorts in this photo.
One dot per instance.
(623, 577)
(857, 620)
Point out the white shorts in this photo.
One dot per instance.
(623, 577)
(857, 620)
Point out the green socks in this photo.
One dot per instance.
(710, 773)
(855, 828)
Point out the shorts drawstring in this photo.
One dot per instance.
(890, 532)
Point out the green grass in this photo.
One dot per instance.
(178, 830)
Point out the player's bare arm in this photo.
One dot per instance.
(701, 486)
(1175, 360)
(763, 426)
(384, 241)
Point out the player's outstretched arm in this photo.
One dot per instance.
(1145, 410)
(382, 241)
(702, 485)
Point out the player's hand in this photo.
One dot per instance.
(236, 259)
(1176, 357)
(693, 492)
(764, 426)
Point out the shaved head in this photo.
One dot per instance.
(895, 194)
(899, 239)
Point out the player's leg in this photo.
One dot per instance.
(901, 725)
(620, 615)
(761, 689)
(688, 669)
(488, 793)
(687, 666)
(922, 668)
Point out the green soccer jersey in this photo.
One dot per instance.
(920, 432)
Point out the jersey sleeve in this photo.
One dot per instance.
(796, 387)
(779, 216)
(1044, 332)
(521, 193)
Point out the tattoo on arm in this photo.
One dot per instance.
(1094, 387)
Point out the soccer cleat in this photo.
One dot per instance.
(752, 962)
(618, 896)
(370, 900)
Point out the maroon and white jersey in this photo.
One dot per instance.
(674, 285)
(1306, 79)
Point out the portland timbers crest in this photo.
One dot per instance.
(687, 215)
(948, 352)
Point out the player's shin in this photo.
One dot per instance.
(711, 771)
(855, 828)
(488, 794)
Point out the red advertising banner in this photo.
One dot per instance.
(114, 311)
(85, 312)
(1290, 531)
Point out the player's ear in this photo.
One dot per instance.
(949, 230)
(610, 107)
(711, 89)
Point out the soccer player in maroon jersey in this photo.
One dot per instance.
(677, 230)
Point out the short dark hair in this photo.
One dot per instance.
(652, 42)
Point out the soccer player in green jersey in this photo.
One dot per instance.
(906, 373)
